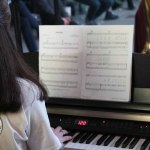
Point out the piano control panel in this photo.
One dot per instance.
(91, 133)
(101, 125)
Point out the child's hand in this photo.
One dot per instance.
(61, 134)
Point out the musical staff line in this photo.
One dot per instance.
(60, 48)
(114, 66)
(105, 87)
(105, 75)
(61, 71)
(106, 55)
(61, 84)
(58, 60)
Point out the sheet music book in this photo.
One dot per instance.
(87, 62)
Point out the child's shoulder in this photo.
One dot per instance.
(29, 91)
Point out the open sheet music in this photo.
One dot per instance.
(87, 62)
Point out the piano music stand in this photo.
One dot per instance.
(140, 81)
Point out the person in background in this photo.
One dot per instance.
(28, 24)
(130, 4)
(97, 8)
(106, 7)
(62, 12)
(46, 10)
(24, 123)
(71, 4)
(93, 6)
(119, 3)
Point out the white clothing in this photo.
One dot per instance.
(28, 129)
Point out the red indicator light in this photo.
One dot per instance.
(82, 123)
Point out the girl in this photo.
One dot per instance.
(24, 123)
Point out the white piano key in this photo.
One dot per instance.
(112, 143)
(148, 147)
(120, 146)
(138, 145)
(78, 145)
(75, 135)
(93, 146)
(69, 145)
(94, 141)
(129, 143)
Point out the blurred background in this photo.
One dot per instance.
(27, 15)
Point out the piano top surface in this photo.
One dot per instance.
(99, 105)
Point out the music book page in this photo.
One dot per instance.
(87, 62)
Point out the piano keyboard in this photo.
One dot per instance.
(90, 133)
(93, 141)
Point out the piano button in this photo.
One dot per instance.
(133, 143)
(108, 140)
(126, 142)
(77, 137)
(145, 144)
(84, 137)
(119, 141)
(102, 139)
(91, 138)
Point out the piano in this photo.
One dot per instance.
(101, 125)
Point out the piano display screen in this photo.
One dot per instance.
(81, 122)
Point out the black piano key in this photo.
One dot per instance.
(126, 142)
(84, 138)
(119, 141)
(101, 139)
(72, 133)
(91, 138)
(78, 137)
(145, 144)
(133, 143)
(108, 140)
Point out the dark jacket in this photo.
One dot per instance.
(46, 9)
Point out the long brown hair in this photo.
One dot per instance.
(12, 66)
